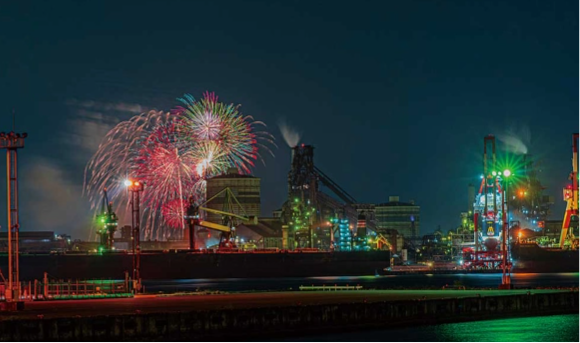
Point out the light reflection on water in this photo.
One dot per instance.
(564, 328)
(528, 280)
(533, 329)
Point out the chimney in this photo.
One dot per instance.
(470, 197)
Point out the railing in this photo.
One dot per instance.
(71, 289)
(331, 288)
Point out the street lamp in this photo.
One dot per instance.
(135, 187)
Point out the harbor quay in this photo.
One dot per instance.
(270, 314)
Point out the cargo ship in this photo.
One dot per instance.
(531, 258)
(187, 265)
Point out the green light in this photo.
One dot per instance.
(494, 173)
(507, 173)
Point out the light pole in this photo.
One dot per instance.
(12, 142)
(506, 278)
(135, 187)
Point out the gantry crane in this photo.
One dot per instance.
(107, 223)
(227, 228)
(571, 198)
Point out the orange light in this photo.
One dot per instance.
(137, 183)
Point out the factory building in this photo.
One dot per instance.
(264, 233)
(246, 189)
(401, 216)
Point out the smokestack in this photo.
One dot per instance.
(470, 197)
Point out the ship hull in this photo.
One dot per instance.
(197, 266)
(530, 258)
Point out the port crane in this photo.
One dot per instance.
(226, 228)
(107, 223)
(489, 213)
(571, 198)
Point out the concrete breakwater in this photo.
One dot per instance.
(274, 321)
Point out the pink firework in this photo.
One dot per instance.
(166, 166)
(173, 213)
(173, 154)
(146, 147)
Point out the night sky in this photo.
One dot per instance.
(396, 96)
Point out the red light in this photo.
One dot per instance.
(137, 183)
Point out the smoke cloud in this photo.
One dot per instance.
(91, 121)
(58, 203)
(516, 141)
(524, 223)
(52, 198)
(106, 106)
(291, 136)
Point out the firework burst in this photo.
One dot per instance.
(173, 154)
(229, 132)
(173, 211)
(146, 147)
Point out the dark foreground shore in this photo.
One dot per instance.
(270, 315)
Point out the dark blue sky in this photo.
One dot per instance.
(396, 96)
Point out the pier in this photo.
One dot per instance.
(331, 288)
(270, 314)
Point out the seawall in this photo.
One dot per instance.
(272, 322)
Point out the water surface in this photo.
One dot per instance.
(526, 280)
(560, 328)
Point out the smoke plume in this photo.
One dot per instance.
(516, 141)
(524, 223)
(291, 136)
